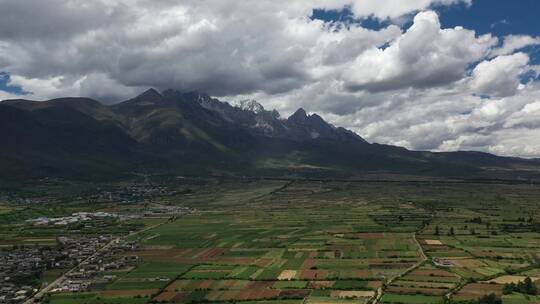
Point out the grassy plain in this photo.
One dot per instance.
(335, 242)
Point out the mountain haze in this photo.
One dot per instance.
(192, 133)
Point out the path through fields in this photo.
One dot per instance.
(380, 291)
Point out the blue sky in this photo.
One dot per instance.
(498, 17)
(4, 85)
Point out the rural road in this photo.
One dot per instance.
(49, 287)
(55, 283)
(379, 292)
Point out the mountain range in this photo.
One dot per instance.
(191, 133)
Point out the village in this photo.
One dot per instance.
(89, 246)
(133, 193)
(83, 259)
(130, 193)
(74, 218)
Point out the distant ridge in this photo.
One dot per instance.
(192, 133)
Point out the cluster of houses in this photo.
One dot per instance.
(442, 263)
(95, 263)
(97, 218)
(12, 294)
(80, 249)
(18, 200)
(86, 261)
(155, 211)
(74, 218)
(160, 211)
(132, 194)
(21, 268)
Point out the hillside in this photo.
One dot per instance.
(193, 134)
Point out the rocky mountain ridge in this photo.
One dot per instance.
(190, 132)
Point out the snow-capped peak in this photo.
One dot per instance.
(251, 105)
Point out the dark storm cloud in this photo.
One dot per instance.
(54, 19)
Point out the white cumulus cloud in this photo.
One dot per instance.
(500, 76)
(512, 43)
(424, 56)
(384, 9)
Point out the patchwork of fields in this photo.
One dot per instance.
(334, 242)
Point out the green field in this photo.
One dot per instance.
(331, 242)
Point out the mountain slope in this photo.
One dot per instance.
(192, 133)
(60, 141)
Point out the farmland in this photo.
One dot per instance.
(332, 242)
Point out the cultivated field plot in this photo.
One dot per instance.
(427, 284)
(334, 242)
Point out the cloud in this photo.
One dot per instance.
(436, 120)
(105, 89)
(57, 19)
(222, 47)
(424, 56)
(500, 22)
(6, 95)
(40, 88)
(384, 9)
(98, 86)
(514, 43)
(499, 76)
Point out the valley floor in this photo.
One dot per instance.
(325, 242)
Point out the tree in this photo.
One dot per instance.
(525, 287)
(535, 227)
(490, 299)
(477, 220)
(509, 288)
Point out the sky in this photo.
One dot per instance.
(439, 75)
